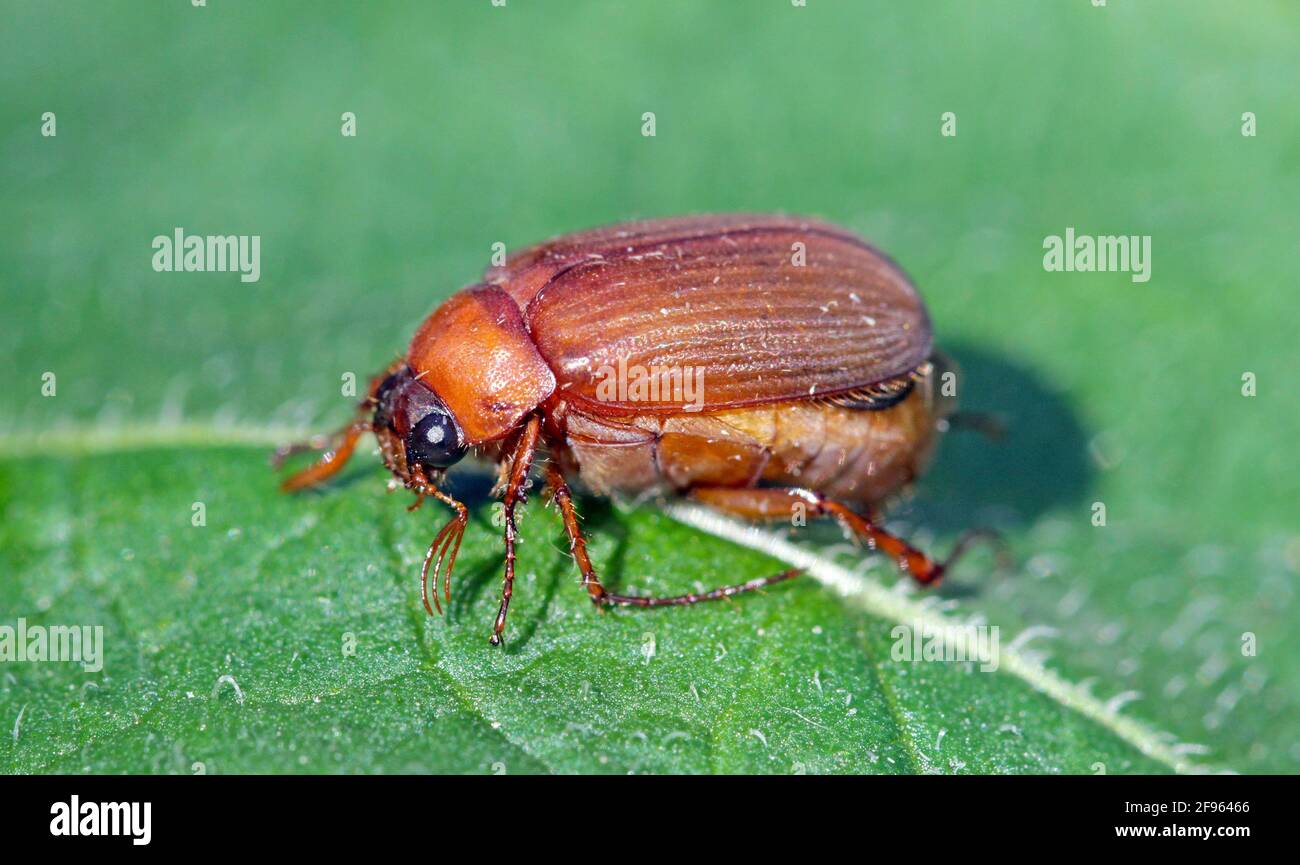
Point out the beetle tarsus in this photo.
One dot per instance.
(722, 593)
(973, 536)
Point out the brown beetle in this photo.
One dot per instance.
(755, 364)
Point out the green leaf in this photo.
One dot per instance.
(286, 634)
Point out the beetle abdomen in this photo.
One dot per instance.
(854, 455)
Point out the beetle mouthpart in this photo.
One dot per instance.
(446, 541)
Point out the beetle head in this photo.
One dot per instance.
(417, 433)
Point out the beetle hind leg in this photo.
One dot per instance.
(784, 502)
(516, 485)
(591, 582)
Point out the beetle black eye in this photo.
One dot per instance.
(435, 441)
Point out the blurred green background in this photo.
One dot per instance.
(478, 124)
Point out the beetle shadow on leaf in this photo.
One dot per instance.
(468, 587)
(1038, 465)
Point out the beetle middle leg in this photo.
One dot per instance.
(599, 595)
(521, 462)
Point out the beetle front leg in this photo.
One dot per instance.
(338, 448)
(521, 463)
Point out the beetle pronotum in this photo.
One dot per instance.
(813, 352)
